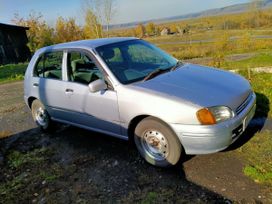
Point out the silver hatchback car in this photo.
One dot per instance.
(130, 89)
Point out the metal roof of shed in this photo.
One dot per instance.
(9, 26)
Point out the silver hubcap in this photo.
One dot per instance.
(41, 116)
(155, 144)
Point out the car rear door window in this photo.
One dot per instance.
(49, 65)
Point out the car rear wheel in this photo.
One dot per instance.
(157, 143)
(41, 116)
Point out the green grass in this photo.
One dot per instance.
(258, 155)
(259, 60)
(50, 176)
(259, 174)
(8, 190)
(12, 72)
(258, 151)
(230, 42)
(151, 197)
(17, 159)
(262, 83)
(206, 35)
(28, 169)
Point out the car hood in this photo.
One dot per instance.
(200, 85)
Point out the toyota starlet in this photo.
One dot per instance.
(130, 89)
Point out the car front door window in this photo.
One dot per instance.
(82, 69)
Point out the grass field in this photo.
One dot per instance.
(233, 49)
(213, 35)
(262, 83)
(12, 72)
(262, 59)
(258, 153)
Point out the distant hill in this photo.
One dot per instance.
(237, 8)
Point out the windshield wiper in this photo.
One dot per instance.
(177, 65)
(155, 73)
(159, 71)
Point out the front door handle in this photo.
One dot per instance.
(69, 90)
(35, 84)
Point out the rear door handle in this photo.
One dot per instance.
(69, 90)
(35, 84)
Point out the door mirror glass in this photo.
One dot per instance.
(97, 85)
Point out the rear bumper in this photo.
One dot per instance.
(204, 139)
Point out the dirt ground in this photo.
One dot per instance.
(73, 165)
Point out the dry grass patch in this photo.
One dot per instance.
(4, 134)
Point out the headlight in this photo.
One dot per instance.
(214, 115)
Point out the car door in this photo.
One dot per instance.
(48, 83)
(98, 110)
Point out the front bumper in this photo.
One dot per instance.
(205, 139)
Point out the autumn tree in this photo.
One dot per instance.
(174, 28)
(255, 12)
(150, 29)
(140, 31)
(39, 33)
(220, 47)
(92, 27)
(98, 13)
(246, 41)
(179, 29)
(67, 30)
(93, 18)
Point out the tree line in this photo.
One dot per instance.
(96, 14)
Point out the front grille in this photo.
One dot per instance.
(244, 104)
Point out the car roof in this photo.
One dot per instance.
(86, 43)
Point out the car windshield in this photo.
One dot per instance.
(133, 60)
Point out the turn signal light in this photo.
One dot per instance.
(205, 117)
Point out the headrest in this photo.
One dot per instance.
(76, 63)
(108, 54)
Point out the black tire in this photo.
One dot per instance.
(41, 116)
(157, 143)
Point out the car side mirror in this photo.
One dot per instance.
(97, 85)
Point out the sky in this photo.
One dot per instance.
(126, 10)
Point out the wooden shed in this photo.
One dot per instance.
(13, 44)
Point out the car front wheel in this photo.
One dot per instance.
(157, 143)
(41, 116)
